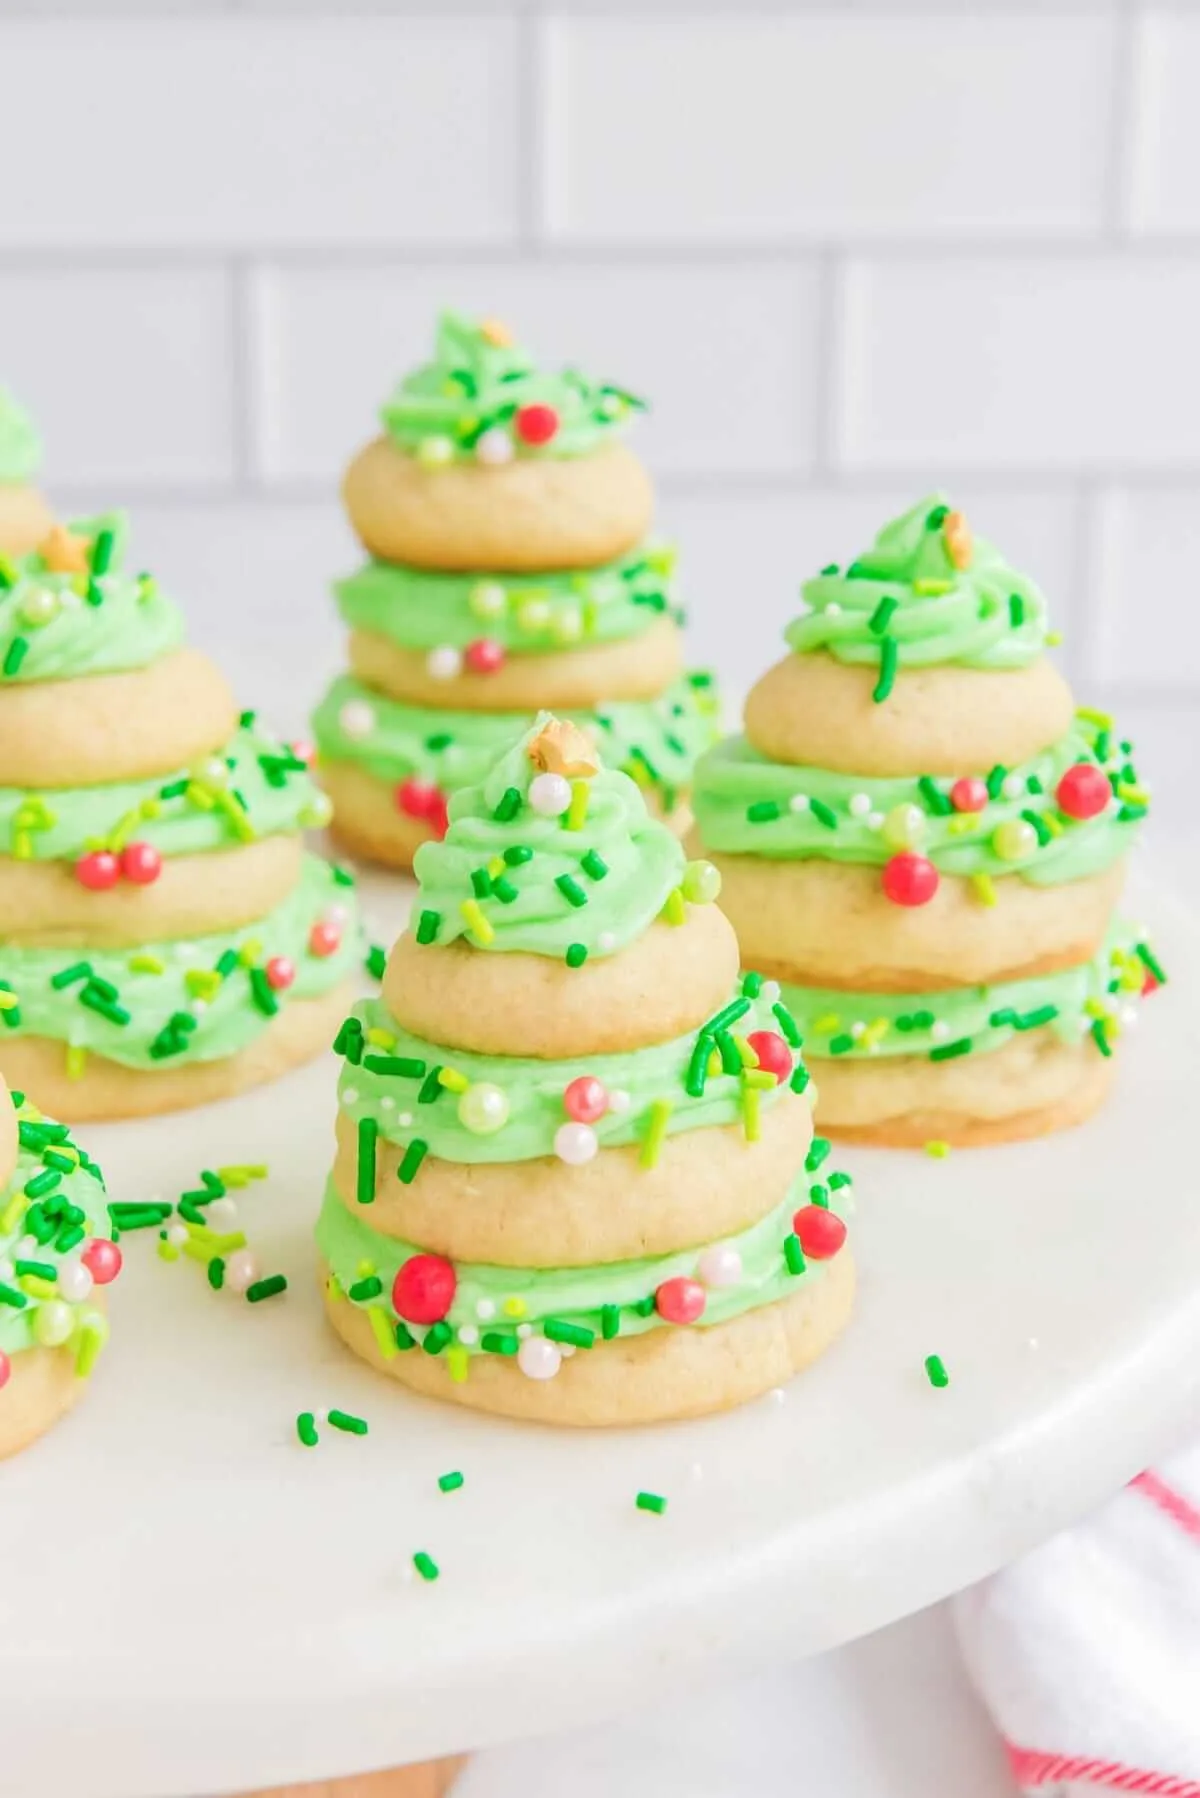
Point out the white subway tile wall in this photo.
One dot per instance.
(851, 251)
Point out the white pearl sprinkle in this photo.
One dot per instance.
(833, 609)
(198, 1007)
(770, 992)
(404, 1119)
(1014, 786)
(222, 1214)
(939, 1031)
(618, 1101)
(387, 1103)
(798, 802)
(485, 1310)
(860, 805)
(444, 662)
(1129, 1017)
(357, 718)
(494, 447)
(606, 942)
(468, 1335)
(524, 1331)
(875, 821)
(857, 1028)
(349, 1095)
(778, 1395)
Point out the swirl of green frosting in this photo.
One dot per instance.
(42, 1232)
(57, 626)
(195, 1000)
(924, 594)
(255, 787)
(476, 384)
(20, 445)
(614, 1299)
(655, 741)
(748, 805)
(512, 876)
(386, 1084)
(419, 608)
(1094, 998)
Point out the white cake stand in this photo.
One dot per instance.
(193, 1603)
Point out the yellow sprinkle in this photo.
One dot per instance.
(240, 1173)
(334, 1288)
(37, 1288)
(587, 618)
(225, 1245)
(199, 796)
(1132, 979)
(637, 772)
(675, 911)
(236, 814)
(1095, 1008)
(827, 1023)
(929, 588)
(92, 1338)
(365, 1269)
(578, 808)
(751, 1122)
(513, 1307)
(8, 1000)
(475, 921)
(144, 963)
(875, 1032)
(748, 1058)
(714, 1063)
(1090, 715)
(150, 808)
(759, 1079)
(1053, 824)
(11, 1216)
(938, 1150)
(250, 952)
(76, 1061)
(380, 1038)
(983, 888)
(660, 1111)
(22, 846)
(388, 1346)
(961, 825)
(124, 829)
(457, 1363)
(202, 983)
(1137, 795)
(496, 866)
(452, 1080)
(167, 1251)
(1053, 639)
(34, 814)
(198, 1250)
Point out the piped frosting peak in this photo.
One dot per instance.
(483, 399)
(551, 854)
(927, 592)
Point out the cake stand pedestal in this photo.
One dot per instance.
(217, 1609)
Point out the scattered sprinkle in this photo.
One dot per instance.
(306, 1429)
(651, 1501)
(935, 1371)
(346, 1420)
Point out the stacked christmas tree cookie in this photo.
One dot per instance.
(575, 1177)
(506, 526)
(164, 937)
(56, 1257)
(25, 518)
(925, 841)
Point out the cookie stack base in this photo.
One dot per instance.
(108, 1090)
(41, 1388)
(663, 1375)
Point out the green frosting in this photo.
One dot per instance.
(163, 1004)
(395, 1083)
(906, 599)
(656, 741)
(527, 614)
(1097, 998)
(748, 805)
(20, 446)
(544, 884)
(45, 1292)
(256, 787)
(488, 1300)
(58, 626)
(474, 388)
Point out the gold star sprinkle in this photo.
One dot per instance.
(956, 535)
(562, 748)
(62, 553)
(495, 332)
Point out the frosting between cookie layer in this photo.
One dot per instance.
(46, 1230)
(655, 741)
(748, 805)
(201, 999)
(931, 593)
(1093, 998)
(255, 787)
(419, 608)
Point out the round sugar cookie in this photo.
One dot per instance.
(705, 1184)
(663, 985)
(812, 711)
(830, 924)
(43, 904)
(664, 1374)
(1031, 1087)
(640, 667)
(530, 515)
(111, 727)
(41, 1388)
(25, 519)
(368, 823)
(107, 1089)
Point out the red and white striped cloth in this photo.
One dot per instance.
(1087, 1652)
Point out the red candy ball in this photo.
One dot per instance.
(969, 794)
(773, 1053)
(680, 1301)
(585, 1099)
(1149, 985)
(324, 937)
(102, 1259)
(5, 1368)
(423, 1291)
(141, 863)
(99, 870)
(484, 656)
(304, 751)
(417, 798)
(280, 973)
(439, 818)
(821, 1232)
(1083, 791)
(535, 424)
(910, 880)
